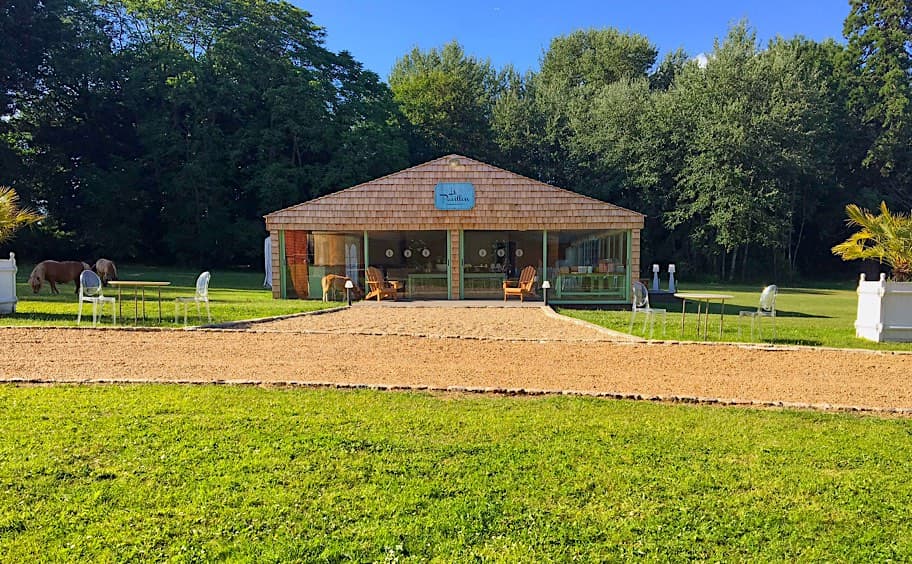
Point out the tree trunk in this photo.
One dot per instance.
(744, 262)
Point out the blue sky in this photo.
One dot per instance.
(511, 31)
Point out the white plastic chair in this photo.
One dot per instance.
(90, 291)
(201, 296)
(641, 305)
(767, 308)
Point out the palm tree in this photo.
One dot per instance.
(886, 237)
(12, 217)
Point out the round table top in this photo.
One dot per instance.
(137, 283)
(702, 296)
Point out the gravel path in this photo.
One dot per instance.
(580, 360)
(517, 324)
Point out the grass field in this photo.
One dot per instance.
(233, 296)
(160, 472)
(816, 316)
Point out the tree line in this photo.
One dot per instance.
(161, 132)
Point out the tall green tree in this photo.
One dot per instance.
(754, 170)
(447, 98)
(198, 117)
(879, 58)
(575, 69)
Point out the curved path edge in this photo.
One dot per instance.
(672, 399)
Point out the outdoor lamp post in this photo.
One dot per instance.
(655, 278)
(671, 278)
(348, 291)
(545, 286)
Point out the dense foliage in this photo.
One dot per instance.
(163, 131)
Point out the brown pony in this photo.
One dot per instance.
(52, 272)
(337, 283)
(105, 270)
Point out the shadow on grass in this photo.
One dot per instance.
(735, 310)
(43, 317)
(808, 291)
(801, 342)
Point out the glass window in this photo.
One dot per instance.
(490, 257)
(309, 256)
(588, 265)
(418, 259)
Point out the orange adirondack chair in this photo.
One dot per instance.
(379, 287)
(523, 287)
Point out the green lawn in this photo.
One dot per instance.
(233, 296)
(159, 472)
(819, 316)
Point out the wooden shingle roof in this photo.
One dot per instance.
(404, 201)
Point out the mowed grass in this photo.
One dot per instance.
(816, 316)
(161, 472)
(233, 296)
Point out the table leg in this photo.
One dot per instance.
(683, 315)
(706, 320)
(721, 317)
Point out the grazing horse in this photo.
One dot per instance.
(105, 270)
(54, 272)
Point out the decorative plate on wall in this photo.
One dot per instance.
(519, 252)
(482, 253)
(389, 253)
(407, 253)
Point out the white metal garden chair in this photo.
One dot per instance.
(767, 308)
(641, 305)
(91, 291)
(201, 297)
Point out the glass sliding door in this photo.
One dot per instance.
(490, 257)
(311, 255)
(418, 259)
(588, 265)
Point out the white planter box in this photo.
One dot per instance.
(8, 285)
(884, 310)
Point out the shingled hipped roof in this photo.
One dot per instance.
(404, 200)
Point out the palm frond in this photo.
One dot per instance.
(886, 237)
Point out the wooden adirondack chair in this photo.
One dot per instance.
(379, 287)
(523, 287)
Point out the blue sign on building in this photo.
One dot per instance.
(454, 196)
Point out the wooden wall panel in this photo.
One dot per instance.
(276, 268)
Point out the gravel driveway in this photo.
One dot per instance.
(556, 355)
